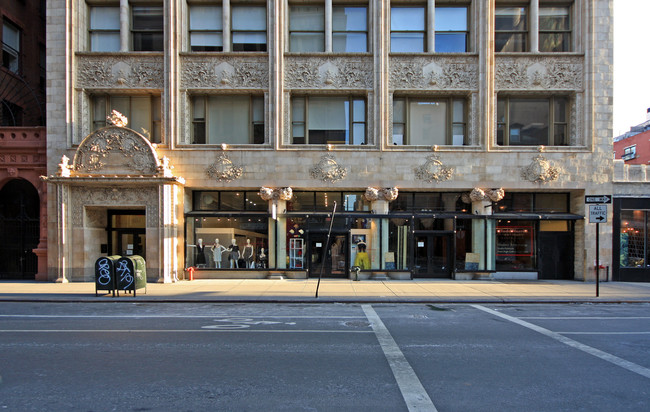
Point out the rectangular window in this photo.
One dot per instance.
(407, 29)
(350, 29)
(248, 28)
(511, 29)
(451, 29)
(635, 239)
(147, 28)
(10, 46)
(237, 119)
(532, 122)
(554, 29)
(307, 29)
(104, 31)
(206, 28)
(143, 113)
(629, 153)
(328, 120)
(429, 121)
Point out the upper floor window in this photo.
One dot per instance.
(10, 46)
(147, 28)
(246, 30)
(429, 121)
(554, 29)
(349, 29)
(511, 29)
(409, 30)
(532, 121)
(232, 119)
(515, 30)
(104, 29)
(206, 28)
(629, 153)
(143, 112)
(328, 120)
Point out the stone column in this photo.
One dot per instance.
(125, 30)
(430, 26)
(534, 26)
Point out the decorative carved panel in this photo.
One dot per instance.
(539, 73)
(112, 196)
(201, 72)
(434, 73)
(120, 71)
(115, 150)
(328, 72)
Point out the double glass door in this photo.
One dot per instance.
(330, 260)
(433, 257)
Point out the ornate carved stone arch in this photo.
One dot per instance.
(115, 150)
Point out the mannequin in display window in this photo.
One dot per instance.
(200, 254)
(262, 258)
(234, 254)
(217, 250)
(249, 254)
(362, 259)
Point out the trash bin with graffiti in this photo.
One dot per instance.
(105, 273)
(131, 274)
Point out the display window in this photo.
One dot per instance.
(515, 245)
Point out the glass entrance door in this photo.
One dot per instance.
(127, 233)
(131, 242)
(331, 261)
(433, 255)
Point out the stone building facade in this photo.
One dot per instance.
(451, 139)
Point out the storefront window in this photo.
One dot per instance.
(515, 246)
(397, 252)
(235, 242)
(634, 238)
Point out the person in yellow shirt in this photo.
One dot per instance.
(362, 259)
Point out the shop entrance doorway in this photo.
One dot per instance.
(334, 261)
(433, 258)
(127, 233)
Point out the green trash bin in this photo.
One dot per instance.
(105, 273)
(131, 274)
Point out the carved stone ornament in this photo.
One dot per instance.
(433, 170)
(212, 72)
(444, 73)
(559, 73)
(389, 194)
(316, 72)
(64, 167)
(120, 71)
(115, 150)
(282, 193)
(478, 195)
(117, 119)
(224, 170)
(540, 170)
(328, 170)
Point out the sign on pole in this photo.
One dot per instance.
(597, 213)
(598, 199)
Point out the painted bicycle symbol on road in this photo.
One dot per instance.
(233, 323)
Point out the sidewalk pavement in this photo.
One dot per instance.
(338, 290)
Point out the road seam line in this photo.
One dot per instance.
(632, 367)
(413, 392)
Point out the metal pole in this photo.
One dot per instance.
(597, 259)
(327, 246)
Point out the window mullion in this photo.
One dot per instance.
(328, 26)
(506, 131)
(534, 26)
(551, 122)
(306, 120)
(429, 25)
(227, 31)
(125, 32)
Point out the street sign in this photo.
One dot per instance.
(597, 213)
(598, 199)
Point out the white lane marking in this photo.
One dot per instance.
(585, 317)
(413, 392)
(133, 316)
(632, 367)
(604, 333)
(176, 331)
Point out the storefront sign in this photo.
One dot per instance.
(514, 241)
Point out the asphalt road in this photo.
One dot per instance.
(323, 357)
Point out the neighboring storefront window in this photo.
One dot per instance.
(515, 246)
(634, 238)
(475, 245)
(228, 242)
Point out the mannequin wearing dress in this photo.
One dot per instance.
(248, 254)
(200, 253)
(217, 250)
(234, 254)
(262, 258)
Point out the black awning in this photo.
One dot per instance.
(536, 216)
